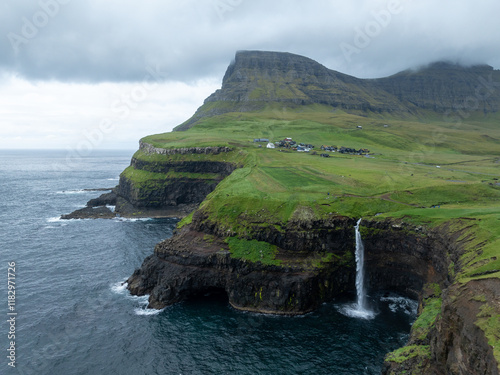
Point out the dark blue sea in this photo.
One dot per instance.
(74, 316)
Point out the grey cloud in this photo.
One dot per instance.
(97, 41)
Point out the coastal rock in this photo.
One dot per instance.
(174, 185)
(96, 208)
(168, 193)
(176, 193)
(107, 199)
(101, 212)
(458, 343)
(186, 265)
(189, 257)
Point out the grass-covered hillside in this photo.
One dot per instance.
(429, 171)
(419, 148)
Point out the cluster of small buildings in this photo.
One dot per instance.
(287, 143)
(346, 150)
(290, 144)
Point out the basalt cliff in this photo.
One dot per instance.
(273, 227)
(401, 257)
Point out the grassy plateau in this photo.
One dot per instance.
(413, 165)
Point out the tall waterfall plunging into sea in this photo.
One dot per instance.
(360, 270)
(359, 309)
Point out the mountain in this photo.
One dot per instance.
(257, 79)
(445, 86)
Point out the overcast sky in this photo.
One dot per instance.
(84, 75)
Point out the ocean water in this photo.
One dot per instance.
(74, 315)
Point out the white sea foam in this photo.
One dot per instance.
(132, 219)
(143, 309)
(113, 179)
(119, 288)
(56, 222)
(398, 303)
(146, 311)
(73, 191)
(63, 221)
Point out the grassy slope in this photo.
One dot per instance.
(403, 172)
(415, 165)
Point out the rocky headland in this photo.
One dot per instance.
(170, 189)
(316, 263)
(292, 254)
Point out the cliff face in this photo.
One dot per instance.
(458, 342)
(187, 266)
(413, 260)
(257, 78)
(456, 330)
(198, 258)
(442, 87)
(403, 258)
(161, 186)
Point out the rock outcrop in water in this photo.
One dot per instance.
(96, 208)
(90, 212)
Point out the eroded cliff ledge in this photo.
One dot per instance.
(167, 186)
(309, 267)
(314, 263)
(156, 186)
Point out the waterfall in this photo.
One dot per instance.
(360, 308)
(360, 270)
